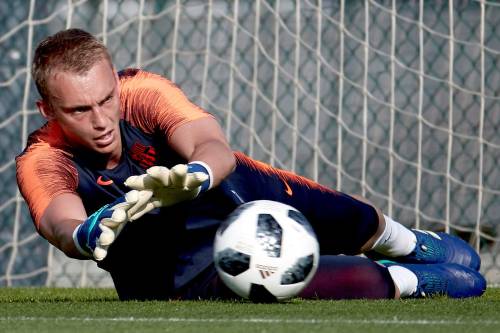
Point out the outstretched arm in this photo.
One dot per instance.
(202, 143)
(156, 105)
(203, 140)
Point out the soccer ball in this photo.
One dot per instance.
(266, 251)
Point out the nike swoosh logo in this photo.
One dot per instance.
(288, 189)
(103, 182)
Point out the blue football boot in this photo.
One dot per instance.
(437, 247)
(446, 279)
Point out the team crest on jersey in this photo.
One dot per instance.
(144, 155)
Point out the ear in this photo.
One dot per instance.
(45, 109)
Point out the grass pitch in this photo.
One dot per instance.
(98, 310)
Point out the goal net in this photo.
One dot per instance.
(398, 101)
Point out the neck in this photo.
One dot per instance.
(99, 160)
(114, 158)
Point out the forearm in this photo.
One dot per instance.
(66, 225)
(61, 236)
(203, 140)
(218, 156)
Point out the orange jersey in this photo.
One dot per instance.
(163, 106)
(149, 102)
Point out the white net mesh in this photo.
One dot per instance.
(394, 100)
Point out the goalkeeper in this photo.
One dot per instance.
(128, 172)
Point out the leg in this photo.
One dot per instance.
(350, 277)
(342, 223)
(346, 277)
(338, 277)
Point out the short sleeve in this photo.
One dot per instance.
(153, 103)
(44, 172)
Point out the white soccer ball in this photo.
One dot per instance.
(266, 251)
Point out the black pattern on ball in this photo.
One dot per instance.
(299, 271)
(259, 294)
(269, 235)
(301, 219)
(232, 262)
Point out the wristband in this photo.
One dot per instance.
(86, 234)
(199, 166)
(76, 237)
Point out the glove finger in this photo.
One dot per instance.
(195, 179)
(119, 211)
(135, 197)
(135, 182)
(100, 253)
(142, 200)
(107, 236)
(124, 202)
(161, 174)
(131, 197)
(119, 217)
(178, 175)
(168, 197)
(144, 210)
(142, 182)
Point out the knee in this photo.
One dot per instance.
(377, 217)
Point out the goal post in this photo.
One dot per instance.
(398, 101)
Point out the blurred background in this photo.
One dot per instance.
(398, 101)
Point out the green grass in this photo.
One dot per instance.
(98, 310)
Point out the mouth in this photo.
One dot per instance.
(104, 139)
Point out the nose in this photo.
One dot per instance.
(98, 118)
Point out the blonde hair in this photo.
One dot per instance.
(71, 50)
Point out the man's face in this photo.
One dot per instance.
(87, 108)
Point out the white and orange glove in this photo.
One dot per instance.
(170, 186)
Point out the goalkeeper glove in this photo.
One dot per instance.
(93, 237)
(170, 186)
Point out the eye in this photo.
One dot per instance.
(80, 109)
(107, 99)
